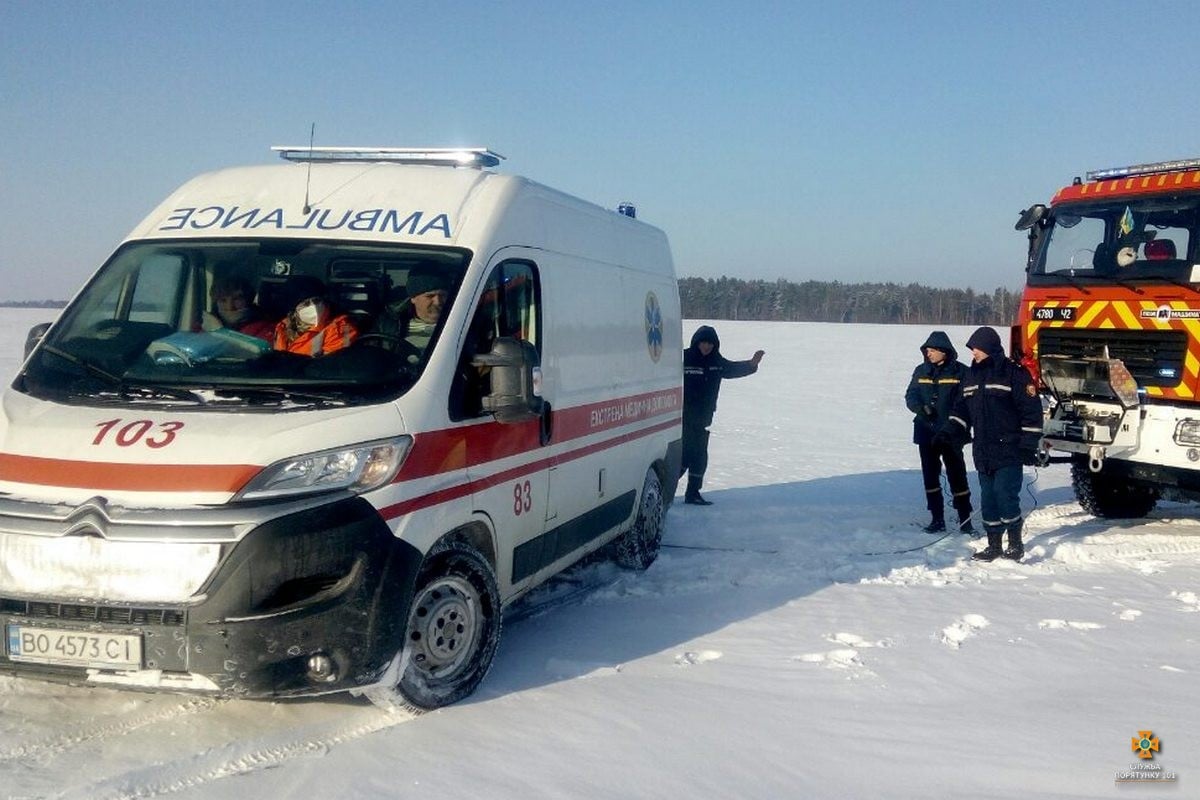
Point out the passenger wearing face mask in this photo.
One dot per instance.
(311, 328)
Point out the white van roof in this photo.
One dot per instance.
(403, 195)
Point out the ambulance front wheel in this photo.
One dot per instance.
(453, 628)
(638, 547)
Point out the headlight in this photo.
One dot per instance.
(1187, 432)
(360, 468)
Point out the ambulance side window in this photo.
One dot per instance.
(510, 305)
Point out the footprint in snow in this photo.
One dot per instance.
(1189, 599)
(856, 641)
(1063, 624)
(845, 657)
(692, 657)
(954, 634)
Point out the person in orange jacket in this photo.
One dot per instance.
(311, 328)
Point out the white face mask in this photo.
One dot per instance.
(309, 313)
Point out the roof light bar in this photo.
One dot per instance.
(440, 156)
(1144, 169)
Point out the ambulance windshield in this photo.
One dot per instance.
(1135, 239)
(249, 323)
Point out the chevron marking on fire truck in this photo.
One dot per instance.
(1091, 311)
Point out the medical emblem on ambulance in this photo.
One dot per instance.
(90, 518)
(654, 327)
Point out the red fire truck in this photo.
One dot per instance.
(1109, 325)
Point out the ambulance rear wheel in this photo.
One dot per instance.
(1110, 496)
(453, 628)
(638, 547)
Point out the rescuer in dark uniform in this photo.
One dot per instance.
(703, 369)
(1000, 405)
(934, 389)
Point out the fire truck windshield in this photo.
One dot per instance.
(1133, 239)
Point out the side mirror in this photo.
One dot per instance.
(35, 335)
(516, 375)
(1030, 217)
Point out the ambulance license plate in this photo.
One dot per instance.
(74, 648)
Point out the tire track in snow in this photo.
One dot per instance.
(238, 758)
(56, 745)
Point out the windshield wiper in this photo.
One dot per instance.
(1127, 283)
(285, 393)
(89, 367)
(1069, 274)
(155, 391)
(1175, 281)
(122, 388)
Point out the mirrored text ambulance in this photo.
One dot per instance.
(193, 508)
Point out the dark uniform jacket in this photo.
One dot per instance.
(702, 377)
(934, 389)
(999, 403)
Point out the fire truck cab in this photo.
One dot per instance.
(1109, 325)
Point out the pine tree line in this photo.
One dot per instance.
(825, 301)
(32, 303)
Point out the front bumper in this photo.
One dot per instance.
(328, 579)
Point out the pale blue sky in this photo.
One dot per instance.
(830, 141)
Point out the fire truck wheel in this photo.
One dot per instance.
(1109, 496)
(638, 547)
(453, 628)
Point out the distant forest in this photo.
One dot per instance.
(812, 301)
(824, 301)
(32, 303)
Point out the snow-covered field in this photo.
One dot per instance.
(800, 638)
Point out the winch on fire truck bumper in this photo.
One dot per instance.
(1099, 413)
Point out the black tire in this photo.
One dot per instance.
(1109, 496)
(638, 547)
(453, 628)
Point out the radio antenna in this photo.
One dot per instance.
(308, 179)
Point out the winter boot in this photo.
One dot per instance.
(692, 496)
(962, 504)
(1016, 549)
(995, 534)
(937, 524)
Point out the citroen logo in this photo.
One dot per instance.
(90, 518)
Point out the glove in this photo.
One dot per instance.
(1030, 458)
(927, 410)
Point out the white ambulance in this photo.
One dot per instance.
(346, 495)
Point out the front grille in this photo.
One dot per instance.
(109, 615)
(1154, 358)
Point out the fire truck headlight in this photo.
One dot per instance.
(1187, 432)
(359, 468)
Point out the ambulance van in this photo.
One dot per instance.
(185, 505)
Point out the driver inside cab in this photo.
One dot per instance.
(411, 322)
